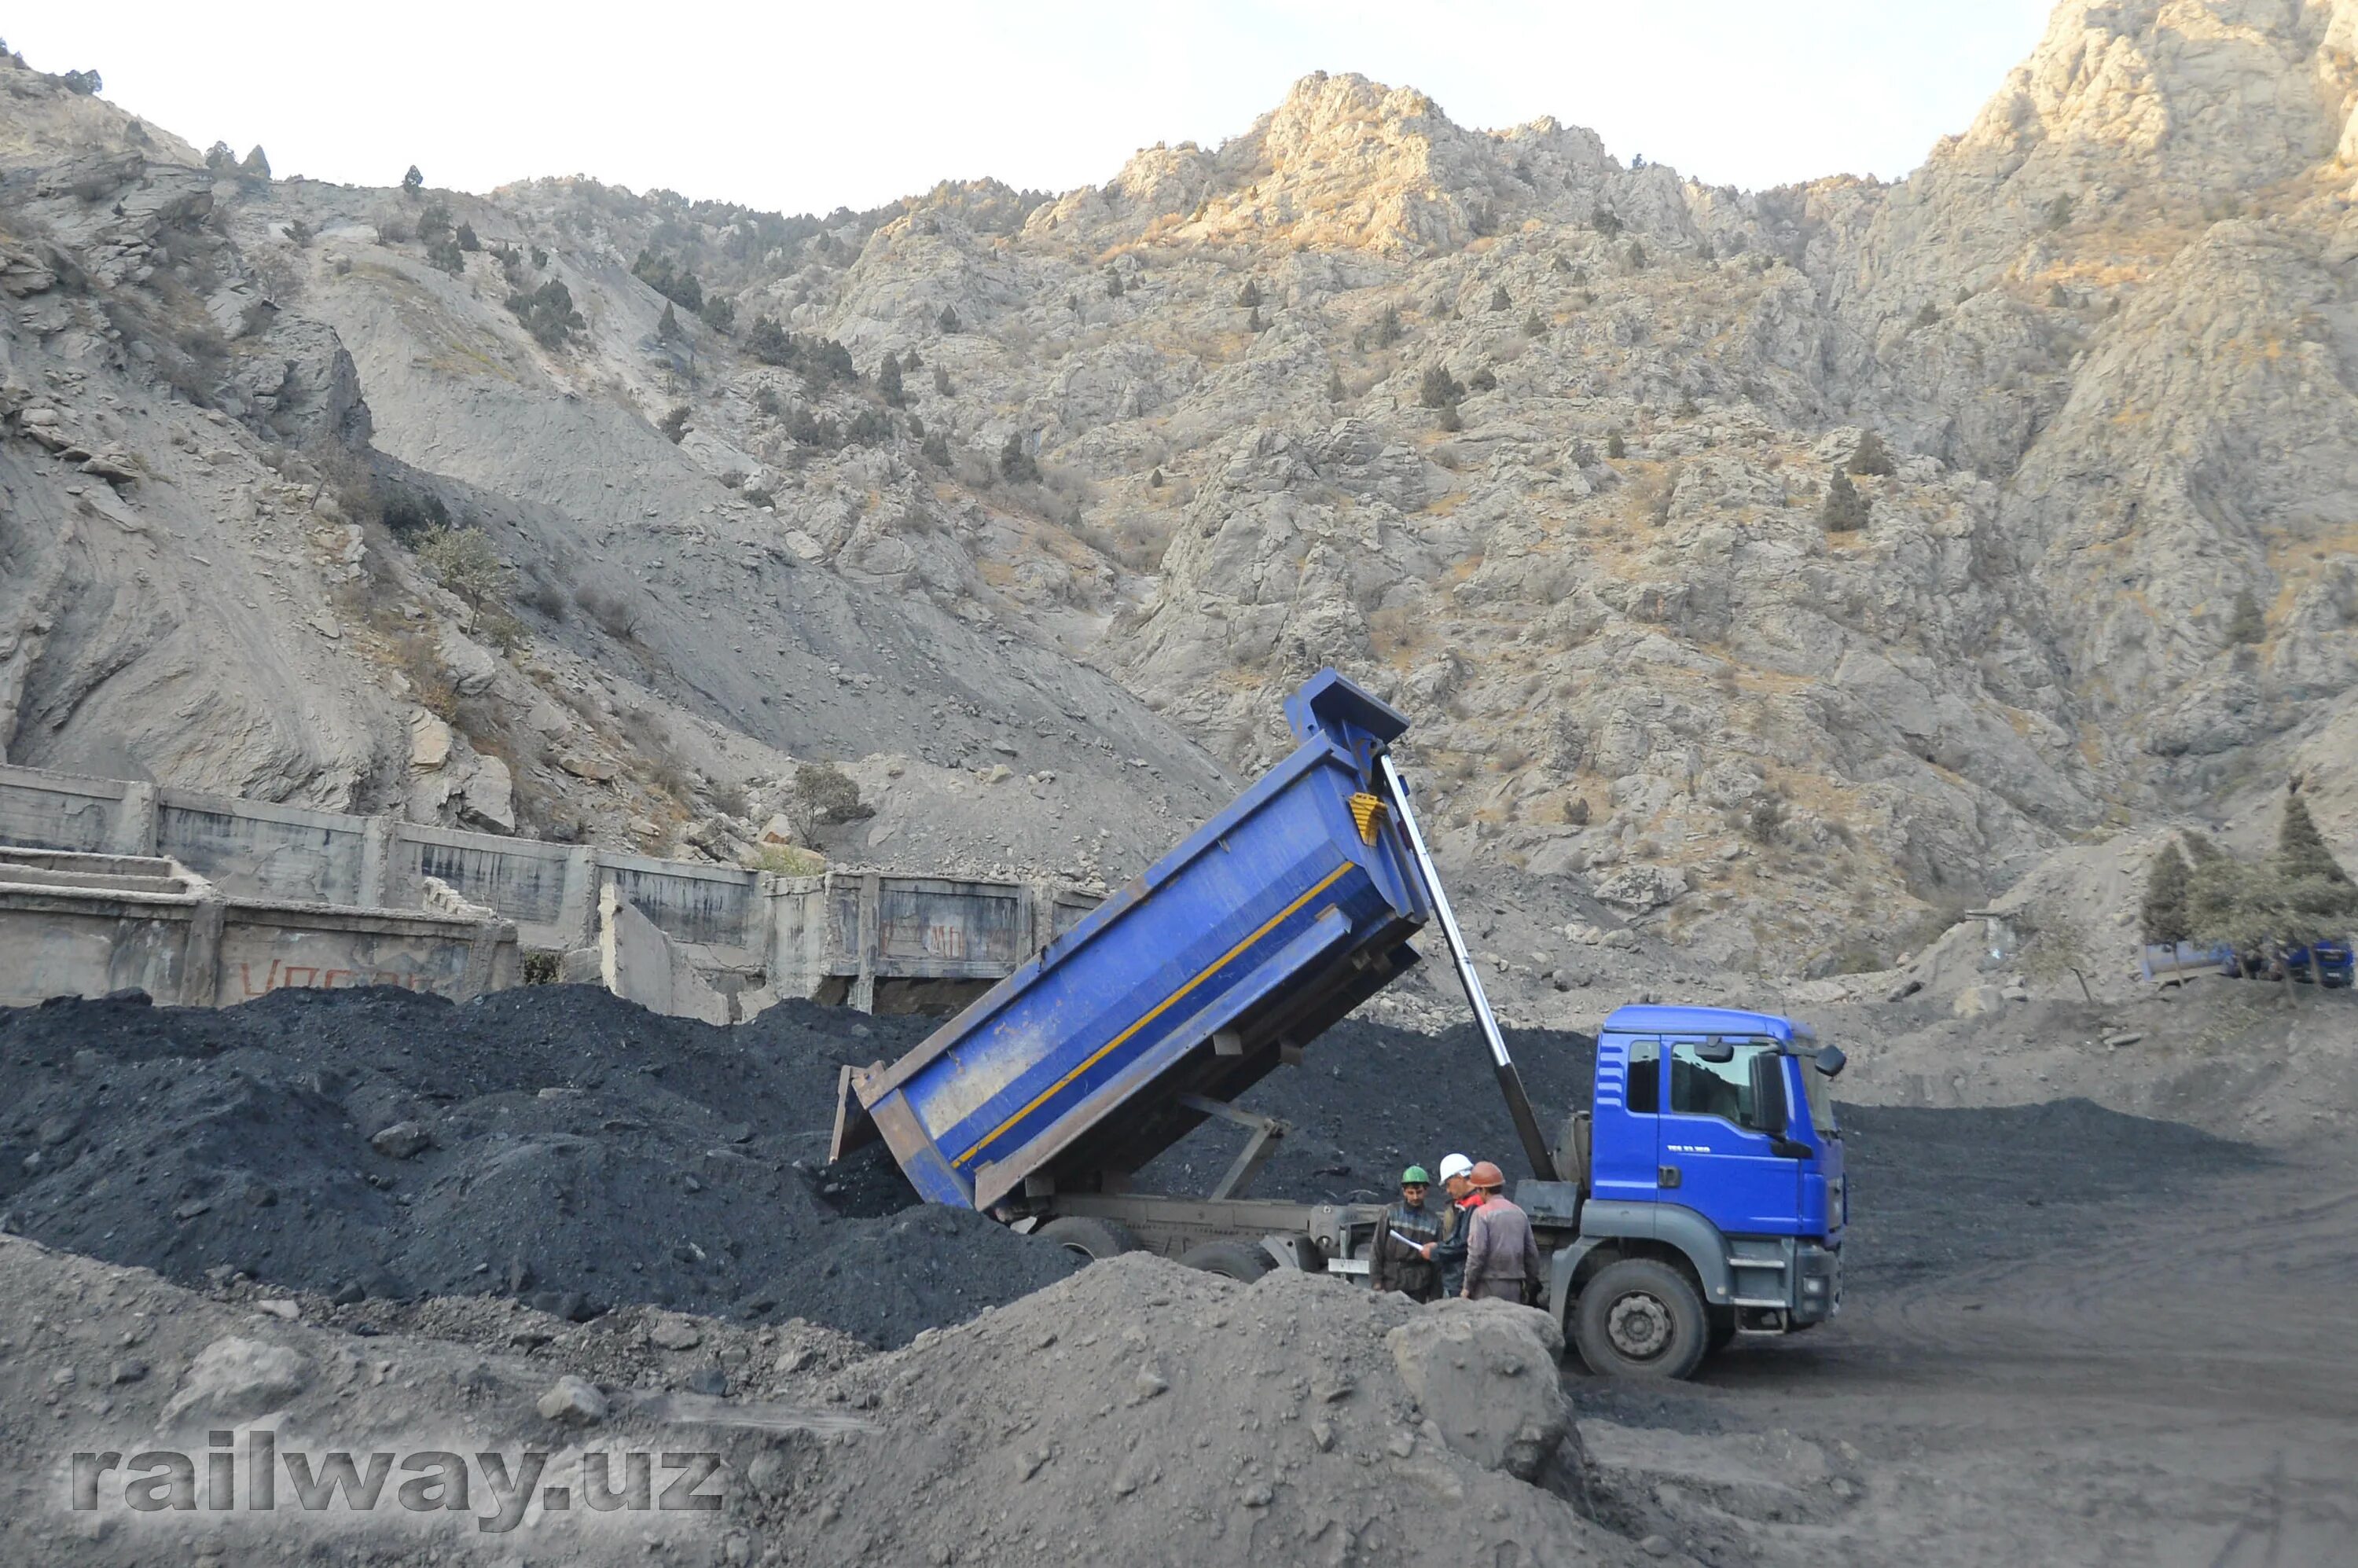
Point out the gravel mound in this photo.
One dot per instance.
(552, 1142)
(1142, 1412)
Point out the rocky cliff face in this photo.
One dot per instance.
(1538, 444)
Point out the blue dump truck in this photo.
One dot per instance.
(1700, 1195)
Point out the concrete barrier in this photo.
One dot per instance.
(63, 811)
(252, 848)
(901, 944)
(302, 896)
(82, 925)
(709, 906)
(549, 890)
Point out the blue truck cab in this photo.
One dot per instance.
(1710, 1192)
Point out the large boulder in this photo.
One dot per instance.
(1484, 1373)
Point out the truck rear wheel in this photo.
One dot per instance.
(1093, 1239)
(1641, 1318)
(1238, 1259)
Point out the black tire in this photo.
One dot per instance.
(1641, 1318)
(1723, 1329)
(1095, 1239)
(1242, 1261)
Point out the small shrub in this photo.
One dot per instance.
(1929, 316)
(434, 222)
(1388, 326)
(889, 386)
(547, 314)
(1016, 464)
(935, 449)
(2058, 213)
(610, 612)
(718, 314)
(786, 861)
(539, 259)
(1450, 420)
(1438, 389)
(1869, 457)
(1535, 325)
(1636, 256)
(463, 561)
(942, 387)
(674, 425)
(823, 795)
(2247, 625)
(1764, 823)
(1615, 447)
(410, 516)
(86, 83)
(1844, 510)
(299, 233)
(1112, 284)
(1483, 380)
(543, 967)
(445, 255)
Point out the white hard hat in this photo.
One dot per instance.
(1455, 1165)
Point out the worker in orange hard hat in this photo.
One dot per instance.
(1502, 1257)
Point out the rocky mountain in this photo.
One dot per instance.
(1779, 573)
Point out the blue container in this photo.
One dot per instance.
(1273, 920)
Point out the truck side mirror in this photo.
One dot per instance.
(1714, 1049)
(1769, 1106)
(1830, 1061)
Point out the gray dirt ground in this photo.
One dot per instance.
(2073, 1335)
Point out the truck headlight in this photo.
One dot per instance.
(1813, 1286)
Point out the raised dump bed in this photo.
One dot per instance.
(1182, 990)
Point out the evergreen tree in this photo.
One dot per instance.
(1017, 465)
(1615, 447)
(1249, 296)
(1388, 326)
(2300, 849)
(1869, 457)
(412, 182)
(888, 384)
(1438, 388)
(669, 326)
(2162, 913)
(2246, 624)
(1154, 479)
(1535, 325)
(1499, 299)
(1844, 510)
(1253, 322)
(1335, 390)
(941, 380)
(467, 241)
(718, 314)
(1112, 284)
(948, 320)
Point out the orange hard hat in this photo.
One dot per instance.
(1487, 1175)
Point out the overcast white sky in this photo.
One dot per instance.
(809, 107)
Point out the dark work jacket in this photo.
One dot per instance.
(1392, 1266)
(1450, 1255)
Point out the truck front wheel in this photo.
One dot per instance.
(1641, 1318)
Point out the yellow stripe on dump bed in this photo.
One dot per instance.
(1271, 924)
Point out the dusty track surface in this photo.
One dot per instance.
(2168, 1383)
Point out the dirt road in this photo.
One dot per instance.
(2168, 1380)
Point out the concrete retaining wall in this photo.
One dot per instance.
(876, 940)
(889, 942)
(77, 925)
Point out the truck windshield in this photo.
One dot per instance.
(1821, 1090)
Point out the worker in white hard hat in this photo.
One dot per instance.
(1448, 1254)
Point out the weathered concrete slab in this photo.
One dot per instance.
(75, 924)
(252, 849)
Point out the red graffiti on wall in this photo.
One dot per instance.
(311, 977)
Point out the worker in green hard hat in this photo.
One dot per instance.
(1399, 1260)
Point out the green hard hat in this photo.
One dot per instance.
(1414, 1177)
